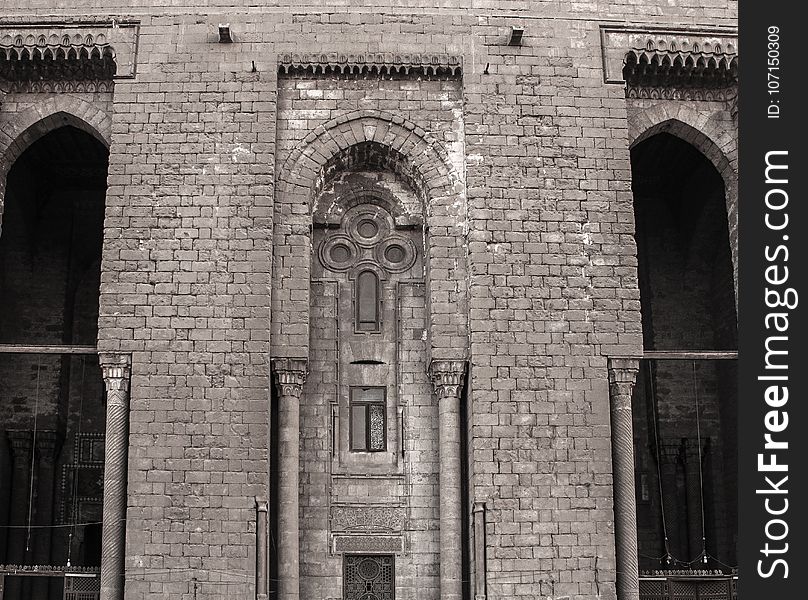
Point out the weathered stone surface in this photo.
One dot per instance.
(514, 168)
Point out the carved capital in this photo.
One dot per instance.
(447, 377)
(671, 453)
(622, 376)
(116, 369)
(289, 375)
(21, 441)
(479, 506)
(48, 444)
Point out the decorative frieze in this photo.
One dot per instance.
(368, 543)
(54, 53)
(367, 518)
(372, 63)
(680, 74)
(671, 63)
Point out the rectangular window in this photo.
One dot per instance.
(369, 577)
(368, 419)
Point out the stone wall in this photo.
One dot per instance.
(532, 228)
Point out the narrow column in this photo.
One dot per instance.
(695, 529)
(21, 443)
(622, 375)
(290, 374)
(671, 458)
(48, 444)
(447, 378)
(116, 371)
(261, 510)
(479, 551)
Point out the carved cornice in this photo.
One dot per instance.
(58, 87)
(60, 52)
(680, 60)
(677, 93)
(371, 63)
(447, 377)
(688, 74)
(289, 375)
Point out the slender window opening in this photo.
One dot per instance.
(367, 301)
(368, 419)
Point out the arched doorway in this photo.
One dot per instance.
(52, 413)
(685, 400)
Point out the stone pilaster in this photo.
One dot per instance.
(116, 369)
(447, 379)
(289, 375)
(261, 565)
(478, 514)
(622, 376)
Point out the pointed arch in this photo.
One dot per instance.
(40, 119)
(303, 169)
(414, 156)
(712, 134)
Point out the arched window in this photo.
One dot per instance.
(367, 301)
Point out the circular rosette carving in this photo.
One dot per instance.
(396, 254)
(368, 227)
(338, 252)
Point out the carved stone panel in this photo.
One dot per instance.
(367, 518)
(368, 543)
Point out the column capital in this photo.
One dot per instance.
(116, 369)
(622, 376)
(21, 441)
(447, 377)
(623, 370)
(672, 453)
(47, 444)
(289, 375)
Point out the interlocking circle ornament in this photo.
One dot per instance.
(338, 252)
(368, 227)
(368, 569)
(396, 254)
